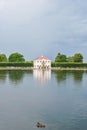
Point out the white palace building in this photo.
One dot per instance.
(42, 63)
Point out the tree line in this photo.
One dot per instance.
(18, 57)
(77, 57)
(61, 60)
(14, 60)
(14, 57)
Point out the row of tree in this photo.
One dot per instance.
(17, 57)
(14, 57)
(77, 57)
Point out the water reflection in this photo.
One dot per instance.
(60, 75)
(76, 76)
(42, 75)
(16, 76)
(3, 76)
(62, 108)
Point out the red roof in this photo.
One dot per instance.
(42, 58)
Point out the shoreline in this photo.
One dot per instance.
(77, 68)
(16, 68)
(52, 68)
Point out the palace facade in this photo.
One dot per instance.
(42, 63)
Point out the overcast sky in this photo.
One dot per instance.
(43, 27)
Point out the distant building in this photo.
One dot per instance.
(42, 63)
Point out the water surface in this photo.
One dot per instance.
(57, 99)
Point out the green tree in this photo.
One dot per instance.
(60, 58)
(70, 59)
(16, 57)
(3, 58)
(78, 57)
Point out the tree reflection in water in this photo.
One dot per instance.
(60, 75)
(76, 76)
(16, 76)
(3, 76)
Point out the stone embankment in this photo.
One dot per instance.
(68, 68)
(52, 68)
(16, 68)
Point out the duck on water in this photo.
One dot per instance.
(40, 125)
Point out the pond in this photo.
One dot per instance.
(56, 98)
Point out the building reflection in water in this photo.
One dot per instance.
(42, 75)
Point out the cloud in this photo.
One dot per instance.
(20, 11)
(44, 26)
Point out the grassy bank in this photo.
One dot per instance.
(16, 68)
(68, 68)
(31, 68)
